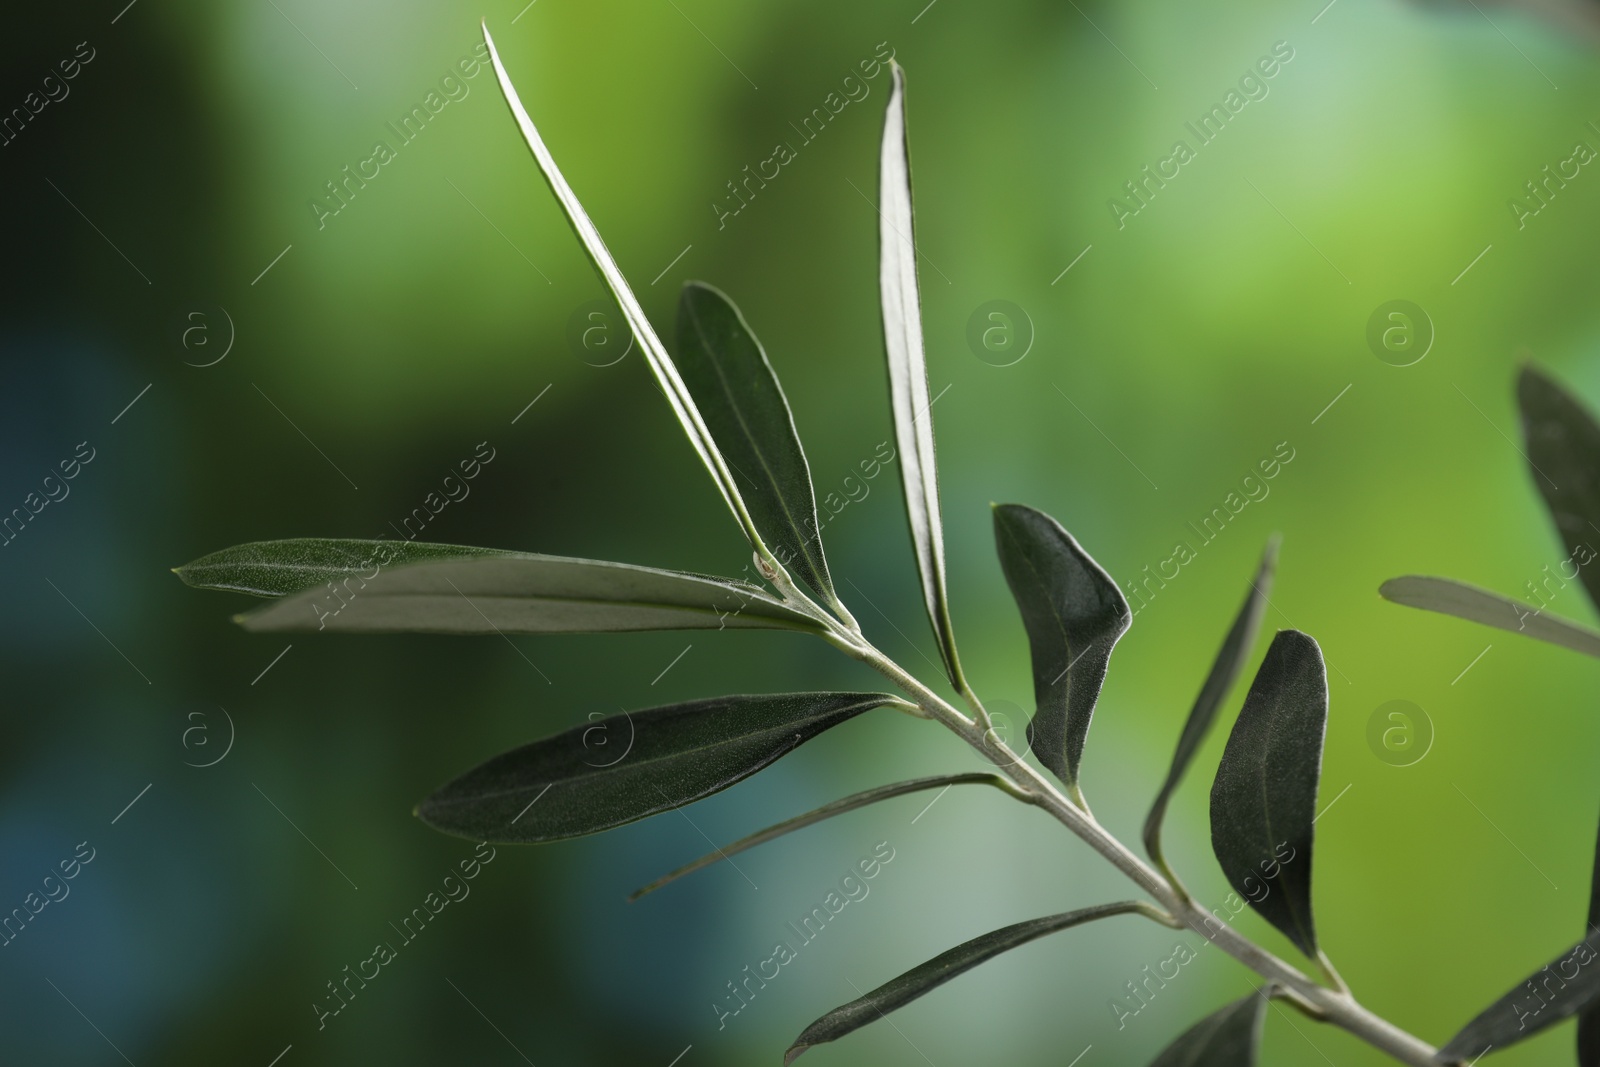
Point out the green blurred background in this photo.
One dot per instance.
(422, 319)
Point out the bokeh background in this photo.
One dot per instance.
(373, 351)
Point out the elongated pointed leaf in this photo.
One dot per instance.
(625, 767)
(377, 587)
(278, 568)
(908, 369)
(655, 352)
(1563, 443)
(901, 991)
(1589, 1018)
(1566, 986)
(1264, 799)
(1450, 597)
(744, 407)
(1230, 1037)
(1073, 613)
(1230, 661)
(827, 811)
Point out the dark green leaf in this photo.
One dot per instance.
(827, 811)
(376, 587)
(1449, 597)
(908, 369)
(1229, 662)
(1264, 800)
(899, 992)
(1230, 1037)
(624, 767)
(1073, 613)
(655, 353)
(744, 407)
(1564, 451)
(1566, 986)
(1589, 1019)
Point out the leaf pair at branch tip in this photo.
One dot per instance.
(1073, 614)
(1230, 661)
(908, 371)
(626, 767)
(746, 417)
(1264, 798)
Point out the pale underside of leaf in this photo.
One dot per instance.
(1449, 597)
(743, 404)
(908, 371)
(625, 767)
(899, 992)
(369, 587)
(826, 811)
(278, 568)
(683, 405)
(1263, 801)
(1230, 661)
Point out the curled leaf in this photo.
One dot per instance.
(1073, 613)
(908, 369)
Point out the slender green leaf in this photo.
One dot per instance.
(1264, 799)
(827, 811)
(743, 405)
(376, 587)
(1589, 1019)
(899, 992)
(625, 767)
(1566, 986)
(1563, 443)
(278, 568)
(1450, 597)
(655, 352)
(1074, 614)
(908, 370)
(1230, 1037)
(1230, 661)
